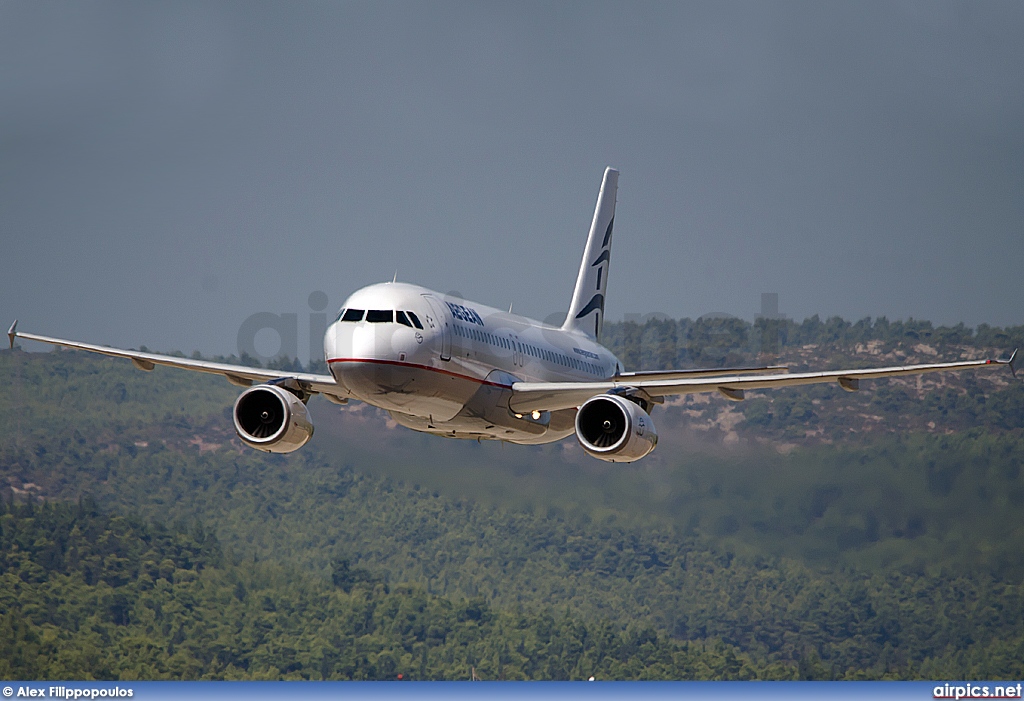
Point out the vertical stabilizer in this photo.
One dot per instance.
(586, 312)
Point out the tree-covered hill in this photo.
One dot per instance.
(881, 554)
(84, 595)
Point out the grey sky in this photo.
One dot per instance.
(168, 169)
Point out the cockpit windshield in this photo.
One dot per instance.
(381, 316)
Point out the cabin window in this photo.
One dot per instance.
(401, 318)
(353, 315)
(380, 316)
(415, 320)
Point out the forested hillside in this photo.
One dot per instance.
(89, 596)
(375, 551)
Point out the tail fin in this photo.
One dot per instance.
(586, 312)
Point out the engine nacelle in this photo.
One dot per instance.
(615, 429)
(272, 419)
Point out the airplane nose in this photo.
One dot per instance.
(331, 342)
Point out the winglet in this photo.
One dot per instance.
(1010, 362)
(12, 333)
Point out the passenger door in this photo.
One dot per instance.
(439, 322)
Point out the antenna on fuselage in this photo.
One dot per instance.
(395, 278)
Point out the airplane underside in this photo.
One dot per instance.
(451, 404)
(474, 428)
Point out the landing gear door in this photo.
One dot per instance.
(438, 321)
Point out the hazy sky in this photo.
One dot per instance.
(169, 169)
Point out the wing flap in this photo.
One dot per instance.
(552, 396)
(655, 375)
(236, 374)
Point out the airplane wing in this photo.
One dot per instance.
(551, 396)
(653, 375)
(239, 375)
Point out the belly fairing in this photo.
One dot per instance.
(403, 387)
(474, 428)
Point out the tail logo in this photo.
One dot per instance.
(608, 233)
(597, 302)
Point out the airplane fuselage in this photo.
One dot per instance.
(445, 365)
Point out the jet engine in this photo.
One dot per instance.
(610, 427)
(272, 419)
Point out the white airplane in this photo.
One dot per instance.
(452, 367)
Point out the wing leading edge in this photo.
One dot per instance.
(236, 374)
(551, 396)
